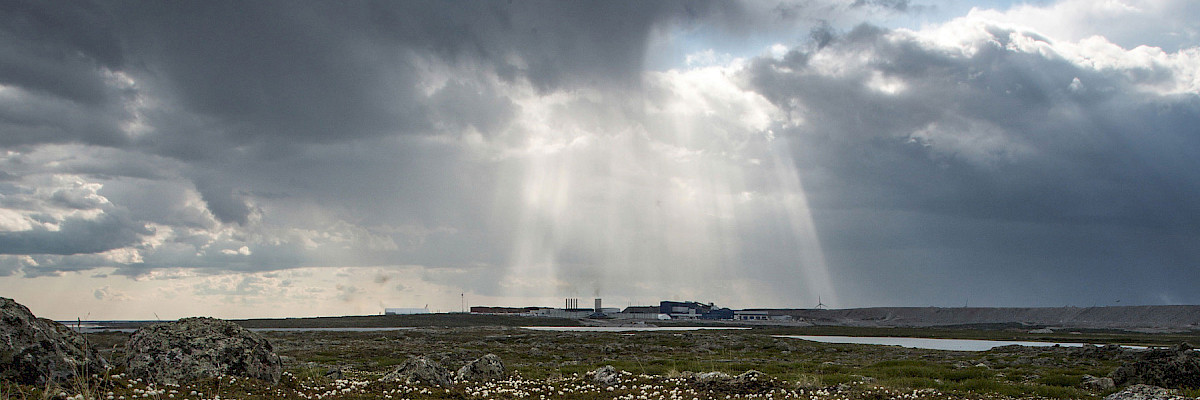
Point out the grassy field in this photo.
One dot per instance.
(987, 332)
(555, 365)
(656, 365)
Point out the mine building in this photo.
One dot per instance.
(641, 312)
(693, 310)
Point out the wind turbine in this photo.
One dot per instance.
(820, 305)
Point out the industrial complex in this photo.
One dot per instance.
(665, 310)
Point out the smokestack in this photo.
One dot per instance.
(598, 305)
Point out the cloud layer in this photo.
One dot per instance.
(525, 152)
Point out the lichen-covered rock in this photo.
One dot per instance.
(1144, 392)
(486, 368)
(197, 348)
(747, 382)
(1097, 384)
(606, 375)
(37, 351)
(1177, 367)
(419, 371)
(709, 376)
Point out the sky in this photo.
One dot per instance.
(161, 160)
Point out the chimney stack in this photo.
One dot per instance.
(598, 305)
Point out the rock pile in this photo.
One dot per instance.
(198, 348)
(1177, 367)
(486, 368)
(37, 351)
(419, 370)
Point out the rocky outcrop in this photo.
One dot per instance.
(38, 351)
(1177, 367)
(606, 375)
(198, 348)
(1107, 352)
(486, 368)
(419, 371)
(1144, 392)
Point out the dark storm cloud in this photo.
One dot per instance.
(75, 236)
(1000, 162)
(329, 72)
(222, 201)
(62, 57)
(230, 74)
(57, 48)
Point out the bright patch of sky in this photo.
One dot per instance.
(684, 45)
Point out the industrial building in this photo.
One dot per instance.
(693, 310)
(676, 310)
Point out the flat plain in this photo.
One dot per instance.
(652, 365)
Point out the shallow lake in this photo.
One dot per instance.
(932, 344)
(625, 328)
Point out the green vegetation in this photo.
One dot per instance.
(549, 362)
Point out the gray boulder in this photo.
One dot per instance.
(606, 375)
(37, 351)
(1144, 392)
(1097, 384)
(198, 348)
(419, 371)
(486, 368)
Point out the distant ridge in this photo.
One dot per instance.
(1122, 317)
